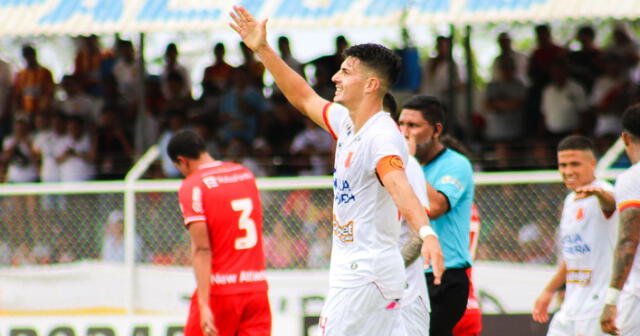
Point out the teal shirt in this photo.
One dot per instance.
(451, 174)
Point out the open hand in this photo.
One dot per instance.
(252, 32)
(584, 192)
(432, 254)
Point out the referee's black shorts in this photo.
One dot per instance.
(448, 300)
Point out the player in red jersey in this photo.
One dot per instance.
(222, 211)
(471, 322)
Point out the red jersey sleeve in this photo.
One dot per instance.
(190, 198)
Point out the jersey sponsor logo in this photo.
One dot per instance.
(448, 179)
(343, 232)
(343, 193)
(233, 178)
(234, 278)
(210, 182)
(579, 277)
(580, 214)
(573, 244)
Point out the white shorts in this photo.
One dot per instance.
(561, 326)
(360, 311)
(628, 314)
(416, 318)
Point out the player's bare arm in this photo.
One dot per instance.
(541, 306)
(292, 85)
(622, 262)
(201, 259)
(409, 206)
(438, 202)
(605, 198)
(411, 250)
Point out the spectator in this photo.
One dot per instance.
(611, 94)
(585, 65)
(254, 68)
(126, 71)
(625, 48)
(78, 154)
(563, 100)
(5, 98)
(285, 52)
(282, 249)
(241, 108)
(18, 155)
(88, 62)
(113, 144)
(172, 66)
(330, 64)
(47, 145)
(174, 100)
(315, 145)
(216, 76)
(33, 86)
(148, 123)
(175, 124)
(76, 102)
(113, 242)
(435, 73)
(539, 72)
(519, 60)
(505, 97)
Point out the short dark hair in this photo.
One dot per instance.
(378, 58)
(390, 105)
(631, 121)
(186, 143)
(576, 142)
(433, 111)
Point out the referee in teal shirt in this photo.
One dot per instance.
(450, 176)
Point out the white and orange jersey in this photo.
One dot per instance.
(366, 227)
(587, 238)
(627, 193)
(416, 284)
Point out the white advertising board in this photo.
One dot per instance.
(88, 298)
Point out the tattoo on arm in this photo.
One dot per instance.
(627, 246)
(411, 250)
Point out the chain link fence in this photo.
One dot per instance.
(518, 224)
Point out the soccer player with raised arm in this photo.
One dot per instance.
(587, 234)
(222, 211)
(370, 185)
(626, 264)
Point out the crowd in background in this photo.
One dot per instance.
(90, 124)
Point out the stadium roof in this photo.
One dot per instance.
(36, 17)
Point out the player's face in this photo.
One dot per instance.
(412, 123)
(350, 82)
(576, 167)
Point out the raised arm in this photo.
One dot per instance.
(292, 85)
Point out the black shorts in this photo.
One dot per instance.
(448, 300)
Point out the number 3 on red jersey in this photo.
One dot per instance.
(245, 207)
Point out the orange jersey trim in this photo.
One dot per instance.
(325, 109)
(388, 164)
(629, 204)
